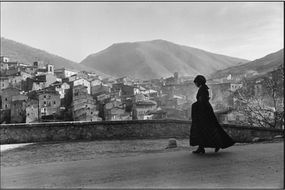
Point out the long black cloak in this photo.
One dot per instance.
(205, 129)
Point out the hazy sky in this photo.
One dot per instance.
(76, 29)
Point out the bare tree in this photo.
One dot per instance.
(265, 107)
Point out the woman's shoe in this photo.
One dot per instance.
(199, 151)
(217, 149)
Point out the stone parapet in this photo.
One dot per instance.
(111, 130)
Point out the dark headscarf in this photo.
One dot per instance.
(201, 80)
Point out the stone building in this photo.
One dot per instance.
(141, 108)
(40, 82)
(49, 103)
(32, 111)
(60, 87)
(100, 89)
(174, 101)
(84, 82)
(16, 78)
(10, 65)
(95, 82)
(83, 105)
(43, 69)
(64, 73)
(115, 110)
(6, 97)
(114, 113)
(18, 111)
(125, 91)
(188, 90)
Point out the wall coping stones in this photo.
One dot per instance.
(113, 123)
(113, 130)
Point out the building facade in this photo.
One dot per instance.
(6, 97)
(83, 105)
(49, 103)
(32, 111)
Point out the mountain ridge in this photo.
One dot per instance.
(23, 53)
(260, 66)
(156, 59)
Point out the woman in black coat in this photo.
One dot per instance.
(205, 130)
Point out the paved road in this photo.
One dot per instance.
(244, 166)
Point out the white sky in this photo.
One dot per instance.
(74, 30)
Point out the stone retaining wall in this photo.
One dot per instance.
(138, 129)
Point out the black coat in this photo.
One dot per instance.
(205, 129)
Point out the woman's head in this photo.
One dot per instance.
(200, 80)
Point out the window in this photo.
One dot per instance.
(6, 99)
(45, 102)
(45, 96)
(6, 106)
(54, 102)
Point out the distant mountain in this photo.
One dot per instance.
(156, 59)
(26, 54)
(259, 66)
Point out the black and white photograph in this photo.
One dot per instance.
(142, 94)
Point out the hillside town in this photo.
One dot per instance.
(38, 92)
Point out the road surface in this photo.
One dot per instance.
(257, 165)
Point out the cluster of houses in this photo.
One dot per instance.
(38, 93)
